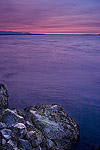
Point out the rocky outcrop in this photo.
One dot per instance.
(56, 126)
(3, 99)
(42, 127)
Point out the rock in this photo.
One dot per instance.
(24, 145)
(29, 126)
(43, 127)
(18, 131)
(98, 148)
(6, 133)
(11, 145)
(19, 112)
(3, 142)
(2, 125)
(49, 143)
(10, 118)
(0, 138)
(3, 91)
(35, 137)
(3, 99)
(55, 124)
(57, 148)
(38, 148)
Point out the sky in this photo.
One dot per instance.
(50, 16)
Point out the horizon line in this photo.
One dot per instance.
(30, 33)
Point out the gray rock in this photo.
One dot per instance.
(12, 145)
(0, 138)
(16, 148)
(3, 90)
(18, 131)
(19, 112)
(55, 124)
(35, 137)
(24, 144)
(2, 125)
(99, 148)
(49, 143)
(48, 127)
(6, 133)
(3, 99)
(10, 118)
(3, 142)
(58, 148)
(29, 126)
(38, 148)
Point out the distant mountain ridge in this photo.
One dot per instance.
(16, 33)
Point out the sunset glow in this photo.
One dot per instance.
(51, 17)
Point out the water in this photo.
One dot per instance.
(63, 69)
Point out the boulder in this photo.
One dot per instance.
(24, 144)
(6, 133)
(3, 142)
(50, 144)
(35, 137)
(42, 127)
(19, 112)
(2, 125)
(29, 126)
(3, 91)
(12, 145)
(55, 124)
(3, 99)
(38, 148)
(18, 131)
(0, 139)
(10, 118)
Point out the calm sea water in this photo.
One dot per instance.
(63, 69)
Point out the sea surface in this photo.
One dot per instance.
(62, 69)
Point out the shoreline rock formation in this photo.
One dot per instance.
(42, 127)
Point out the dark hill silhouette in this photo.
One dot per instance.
(16, 33)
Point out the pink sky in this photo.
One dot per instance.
(50, 16)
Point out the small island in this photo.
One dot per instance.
(41, 127)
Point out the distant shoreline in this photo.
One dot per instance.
(28, 33)
(22, 34)
(18, 33)
(52, 34)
